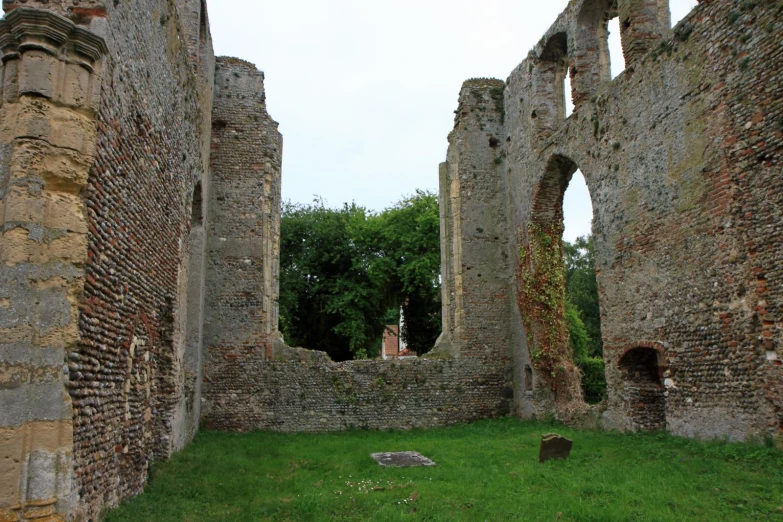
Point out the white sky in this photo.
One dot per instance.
(365, 90)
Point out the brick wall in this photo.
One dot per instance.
(244, 226)
(391, 341)
(128, 377)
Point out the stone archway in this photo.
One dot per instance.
(641, 388)
(542, 280)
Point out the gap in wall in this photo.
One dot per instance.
(616, 58)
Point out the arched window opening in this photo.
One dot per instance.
(615, 46)
(569, 99)
(577, 304)
(577, 209)
(553, 67)
(528, 378)
(641, 371)
(197, 210)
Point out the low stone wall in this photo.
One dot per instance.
(308, 392)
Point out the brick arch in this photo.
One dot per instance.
(657, 346)
(542, 270)
(556, 48)
(548, 195)
(642, 366)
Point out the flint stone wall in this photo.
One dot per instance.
(102, 238)
(682, 156)
(301, 390)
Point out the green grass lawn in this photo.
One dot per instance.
(488, 470)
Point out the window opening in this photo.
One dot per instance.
(616, 57)
(563, 206)
(197, 212)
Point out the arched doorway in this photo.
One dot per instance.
(642, 390)
(543, 297)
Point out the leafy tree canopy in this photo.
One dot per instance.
(582, 289)
(345, 273)
(583, 316)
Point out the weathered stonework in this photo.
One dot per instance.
(301, 390)
(105, 141)
(252, 381)
(140, 207)
(51, 74)
(682, 156)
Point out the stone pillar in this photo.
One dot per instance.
(243, 229)
(642, 23)
(475, 268)
(590, 56)
(49, 96)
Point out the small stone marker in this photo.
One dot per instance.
(553, 446)
(401, 459)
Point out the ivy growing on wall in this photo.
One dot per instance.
(541, 300)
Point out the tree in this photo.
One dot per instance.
(328, 299)
(582, 289)
(344, 272)
(410, 233)
(583, 316)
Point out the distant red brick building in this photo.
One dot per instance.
(392, 346)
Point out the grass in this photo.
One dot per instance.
(486, 471)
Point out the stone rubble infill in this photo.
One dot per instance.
(401, 459)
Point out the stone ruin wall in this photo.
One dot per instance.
(140, 224)
(253, 381)
(106, 139)
(153, 144)
(244, 232)
(297, 390)
(682, 157)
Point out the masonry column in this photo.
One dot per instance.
(243, 233)
(51, 77)
(642, 23)
(475, 269)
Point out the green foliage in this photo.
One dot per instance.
(593, 379)
(408, 235)
(330, 476)
(328, 299)
(584, 317)
(345, 273)
(578, 339)
(582, 289)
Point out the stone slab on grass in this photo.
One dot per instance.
(401, 459)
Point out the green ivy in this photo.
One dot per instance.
(542, 303)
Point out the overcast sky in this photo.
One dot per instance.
(365, 90)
